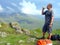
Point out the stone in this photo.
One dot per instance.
(21, 41)
(8, 44)
(19, 31)
(0, 25)
(27, 32)
(31, 40)
(16, 27)
(3, 34)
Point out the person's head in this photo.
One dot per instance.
(49, 6)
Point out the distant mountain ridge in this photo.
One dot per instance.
(27, 21)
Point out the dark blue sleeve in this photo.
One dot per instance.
(44, 13)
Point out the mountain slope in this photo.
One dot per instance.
(27, 21)
(8, 36)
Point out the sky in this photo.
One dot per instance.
(30, 7)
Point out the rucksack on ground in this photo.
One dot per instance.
(44, 42)
(55, 37)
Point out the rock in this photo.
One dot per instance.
(21, 41)
(0, 25)
(31, 40)
(27, 32)
(8, 44)
(16, 27)
(19, 31)
(3, 34)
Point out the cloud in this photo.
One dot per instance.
(29, 8)
(1, 8)
(11, 9)
(16, 5)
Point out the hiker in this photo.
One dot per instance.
(49, 18)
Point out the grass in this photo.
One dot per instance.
(13, 38)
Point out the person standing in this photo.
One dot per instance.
(49, 18)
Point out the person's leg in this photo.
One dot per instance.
(43, 35)
(49, 33)
(44, 31)
(49, 36)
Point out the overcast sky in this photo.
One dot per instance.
(32, 7)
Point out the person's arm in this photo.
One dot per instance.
(43, 11)
(51, 23)
(52, 19)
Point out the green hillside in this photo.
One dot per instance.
(29, 22)
(9, 36)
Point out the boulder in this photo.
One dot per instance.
(3, 34)
(16, 27)
(27, 32)
(31, 40)
(19, 31)
(21, 41)
(8, 44)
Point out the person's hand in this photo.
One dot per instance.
(43, 8)
(50, 25)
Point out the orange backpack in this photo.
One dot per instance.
(44, 42)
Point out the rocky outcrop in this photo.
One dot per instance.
(18, 29)
(27, 32)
